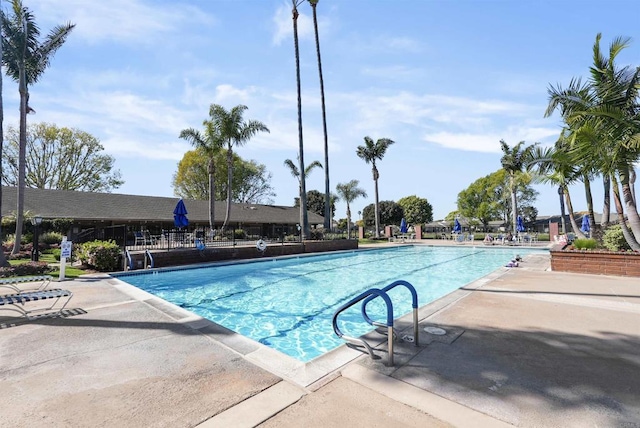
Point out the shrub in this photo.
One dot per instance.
(585, 244)
(30, 268)
(239, 234)
(56, 253)
(101, 255)
(51, 238)
(613, 239)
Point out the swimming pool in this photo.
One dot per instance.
(288, 303)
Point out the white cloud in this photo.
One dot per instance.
(283, 23)
(133, 22)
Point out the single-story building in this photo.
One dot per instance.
(118, 216)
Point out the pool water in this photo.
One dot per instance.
(288, 303)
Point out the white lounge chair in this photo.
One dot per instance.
(26, 283)
(16, 302)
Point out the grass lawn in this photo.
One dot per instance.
(69, 271)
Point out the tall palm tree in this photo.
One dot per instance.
(513, 161)
(234, 131)
(296, 172)
(371, 152)
(304, 216)
(3, 259)
(327, 189)
(210, 142)
(349, 192)
(25, 59)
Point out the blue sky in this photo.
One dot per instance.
(446, 80)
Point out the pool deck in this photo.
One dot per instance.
(523, 347)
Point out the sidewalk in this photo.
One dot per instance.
(525, 347)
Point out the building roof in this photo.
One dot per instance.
(114, 207)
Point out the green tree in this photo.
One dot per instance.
(235, 132)
(604, 129)
(416, 210)
(349, 192)
(390, 213)
(513, 161)
(481, 200)
(555, 166)
(60, 158)
(296, 173)
(315, 202)
(250, 179)
(327, 188)
(371, 152)
(25, 59)
(208, 143)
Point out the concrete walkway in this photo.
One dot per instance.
(522, 347)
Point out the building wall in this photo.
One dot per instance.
(596, 262)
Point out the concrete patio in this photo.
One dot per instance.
(523, 347)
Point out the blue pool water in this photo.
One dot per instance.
(288, 303)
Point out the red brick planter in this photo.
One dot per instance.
(596, 262)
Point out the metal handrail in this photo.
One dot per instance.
(414, 305)
(151, 264)
(373, 292)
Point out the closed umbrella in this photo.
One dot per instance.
(180, 215)
(586, 227)
(520, 224)
(403, 226)
(456, 226)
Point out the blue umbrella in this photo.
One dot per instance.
(456, 226)
(403, 226)
(519, 224)
(180, 215)
(586, 227)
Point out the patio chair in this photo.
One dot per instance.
(16, 302)
(26, 283)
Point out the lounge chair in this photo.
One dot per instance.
(26, 283)
(16, 302)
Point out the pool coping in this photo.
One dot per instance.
(312, 374)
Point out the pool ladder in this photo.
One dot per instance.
(365, 298)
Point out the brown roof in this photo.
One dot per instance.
(90, 206)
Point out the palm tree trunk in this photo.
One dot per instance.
(514, 205)
(212, 193)
(632, 212)
(227, 213)
(632, 184)
(376, 212)
(3, 258)
(572, 218)
(327, 189)
(563, 220)
(304, 219)
(606, 208)
(589, 197)
(348, 221)
(628, 236)
(21, 159)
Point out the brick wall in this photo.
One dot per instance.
(178, 257)
(596, 262)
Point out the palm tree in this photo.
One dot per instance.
(555, 166)
(234, 131)
(304, 217)
(371, 152)
(349, 192)
(25, 59)
(3, 260)
(296, 172)
(210, 143)
(327, 189)
(603, 117)
(513, 161)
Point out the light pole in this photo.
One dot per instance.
(36, 222)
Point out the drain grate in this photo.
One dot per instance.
(435, 330)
